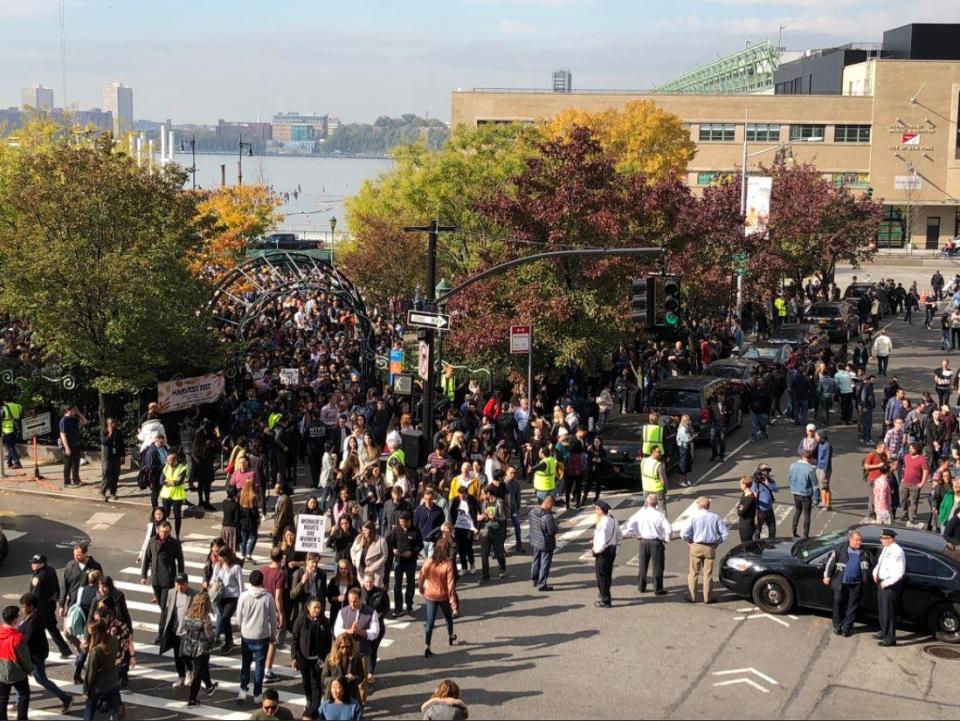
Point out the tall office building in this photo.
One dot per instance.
(36, 97)
(562, 81)
(118, 100)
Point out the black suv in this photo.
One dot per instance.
(839, 320)
(691, 395)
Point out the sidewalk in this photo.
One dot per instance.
(51, 484)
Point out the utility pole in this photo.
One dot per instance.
(433, 230)
(249, 147)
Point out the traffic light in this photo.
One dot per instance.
(643, 301)
(668, 301)
(870, 191)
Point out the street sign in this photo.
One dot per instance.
(311, 533)
(38, 425)
(426, 319)
(519, 339)
(907, 182)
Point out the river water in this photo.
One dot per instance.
(322, 184)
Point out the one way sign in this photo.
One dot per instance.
(426, 319)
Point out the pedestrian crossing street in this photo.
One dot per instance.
(151, 693)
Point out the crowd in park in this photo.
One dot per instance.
(396, 523)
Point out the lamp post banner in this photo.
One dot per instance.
(758, 204)
(189, 392)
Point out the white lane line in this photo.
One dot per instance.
(732, 518)
(716, 468)
(772, 618)
(747, 681)
(758, 674)
(134, 571)
(14, 535)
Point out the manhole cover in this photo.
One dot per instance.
(948, 653)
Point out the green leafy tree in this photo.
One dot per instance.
(95, 255)
(423, 184)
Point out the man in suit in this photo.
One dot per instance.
(173, 611)
(163, 560)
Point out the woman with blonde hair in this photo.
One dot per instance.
(344, 664)
(456, 451)
(445, 703)
(196, 644)
(249, 520)
(685, 434)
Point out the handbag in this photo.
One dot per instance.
(215, 592)
(143, 478)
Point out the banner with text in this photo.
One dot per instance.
(311, 533)
(188, 392)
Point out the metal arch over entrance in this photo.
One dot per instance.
(243, 292)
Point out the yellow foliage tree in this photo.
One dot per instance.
(641, 138)
(229, 218)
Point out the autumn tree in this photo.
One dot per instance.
(568, 195)
(229, 219)
(94, 252)
(424, 185)
(814, 224)
(640, 138)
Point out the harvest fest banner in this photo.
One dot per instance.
(188, 392)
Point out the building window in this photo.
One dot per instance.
(763, 133)
(808, 132)
(717, 132)
(851, 134)
(712, 177)
(892, 228)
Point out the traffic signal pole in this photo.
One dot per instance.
(433, 231)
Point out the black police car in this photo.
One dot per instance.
(782, 573)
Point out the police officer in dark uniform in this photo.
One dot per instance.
(848, 570)
(314, 438)
(45, 585)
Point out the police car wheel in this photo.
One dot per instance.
(945, 623)
(773, 594)
(4, 547)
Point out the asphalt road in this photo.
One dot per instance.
(531, 655)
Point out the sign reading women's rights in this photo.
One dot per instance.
(188, 392)
(311, 533)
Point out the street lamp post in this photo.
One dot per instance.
(333, 229)
(743, 186)
(249, 147)
(193, 158)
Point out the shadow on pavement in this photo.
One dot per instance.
(29, 535)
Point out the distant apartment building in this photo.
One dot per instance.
(229, 130)
(118, 100)
(333, 124)
(300, 130)
(562, 81)
(36, 97)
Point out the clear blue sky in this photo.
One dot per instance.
(199, 60)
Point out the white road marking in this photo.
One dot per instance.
(758, 674)
(14, 535)
(748, 681)
(681, 520)
(767, 615)
(102, 520)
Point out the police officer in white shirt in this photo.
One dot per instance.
(606, 538)
(888, 573)
(651, 526)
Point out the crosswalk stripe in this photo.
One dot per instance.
(139, 699)
(678, 524)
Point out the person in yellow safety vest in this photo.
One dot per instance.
(780, 306)
(449, 383)
(273, 419)
(10, 413)
(396, 453)
(652, 434)
(653, 476)
(174, 491)
(545, 474)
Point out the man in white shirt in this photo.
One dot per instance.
(651, 527)
(882, 348)
(606, 538)
(889, 571)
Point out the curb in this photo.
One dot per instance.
(66, 495)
